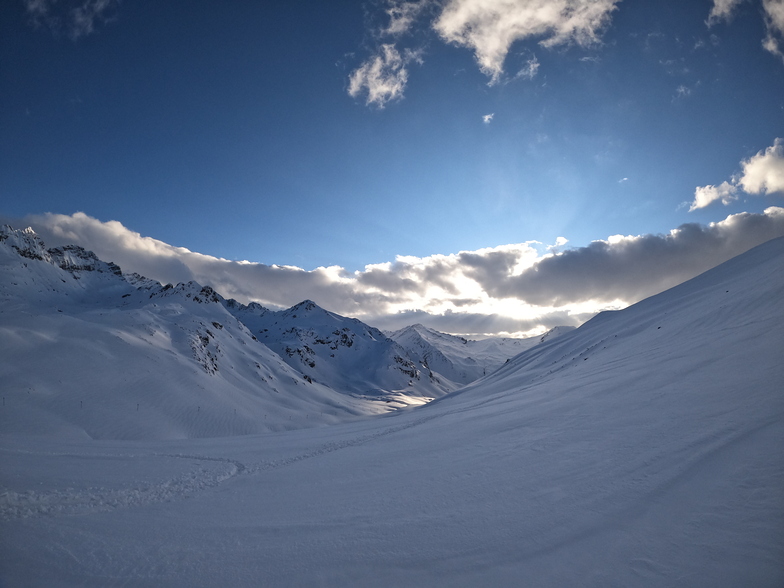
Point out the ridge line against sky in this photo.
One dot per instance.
(511, 290)
(361, 138)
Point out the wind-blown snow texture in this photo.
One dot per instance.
(642, 449)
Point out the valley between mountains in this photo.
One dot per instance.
(161, 435)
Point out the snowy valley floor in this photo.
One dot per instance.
(643, 449)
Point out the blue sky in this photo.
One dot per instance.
(234, 130)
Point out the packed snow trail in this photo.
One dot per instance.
(208, 473)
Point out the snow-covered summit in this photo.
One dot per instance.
(343, 353)
(459, 359)
(170, 345)
(88, 351)
(25, 242)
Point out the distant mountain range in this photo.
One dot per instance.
(94, 351)
(459, 360)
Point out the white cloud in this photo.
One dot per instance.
(761, 174)
(402, 15)
(682, 91)
(530, 69)
(774, 24)
(84, 17)
(487, 118)
(78, 18)
(724, 192)
(764, 172)
(722, 10)
(490, 27)
(557, 247)
(773, 12)
(383, 77)
(38, 8)
(509, 289)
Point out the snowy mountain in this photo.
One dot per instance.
(342, 353)
(639, 450)
(91, 352)
(95, 352)
(460, 360)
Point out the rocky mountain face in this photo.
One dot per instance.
(342, 353)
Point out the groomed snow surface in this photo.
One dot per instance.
(642, 449)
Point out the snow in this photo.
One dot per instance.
(88, 353)
(642, 449)
(461, 360)
(342, 353)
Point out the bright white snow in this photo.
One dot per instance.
(642, 449)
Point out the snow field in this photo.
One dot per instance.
(640, 450)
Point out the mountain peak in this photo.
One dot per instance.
(306, 306)
(25, 242)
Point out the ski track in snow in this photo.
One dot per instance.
(212, 471)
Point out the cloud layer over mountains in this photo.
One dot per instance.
(509, 289)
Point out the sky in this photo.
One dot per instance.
(481, 167)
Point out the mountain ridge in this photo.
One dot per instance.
(188, 342)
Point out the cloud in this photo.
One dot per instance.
(510, 289)
(774, 26)
(79, 19)
(530, 69)
(487, 27)
(383, 77)
(490, 27)
(764, 172)
(84, 17)
(630, 268)
(724, 192)
(761, 174)
(402, 15)
(722, 10)
(682, 92)
(773, 13)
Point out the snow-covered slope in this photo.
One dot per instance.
(461, 360)
(342, 353)
(89, 352)
(640, 450)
